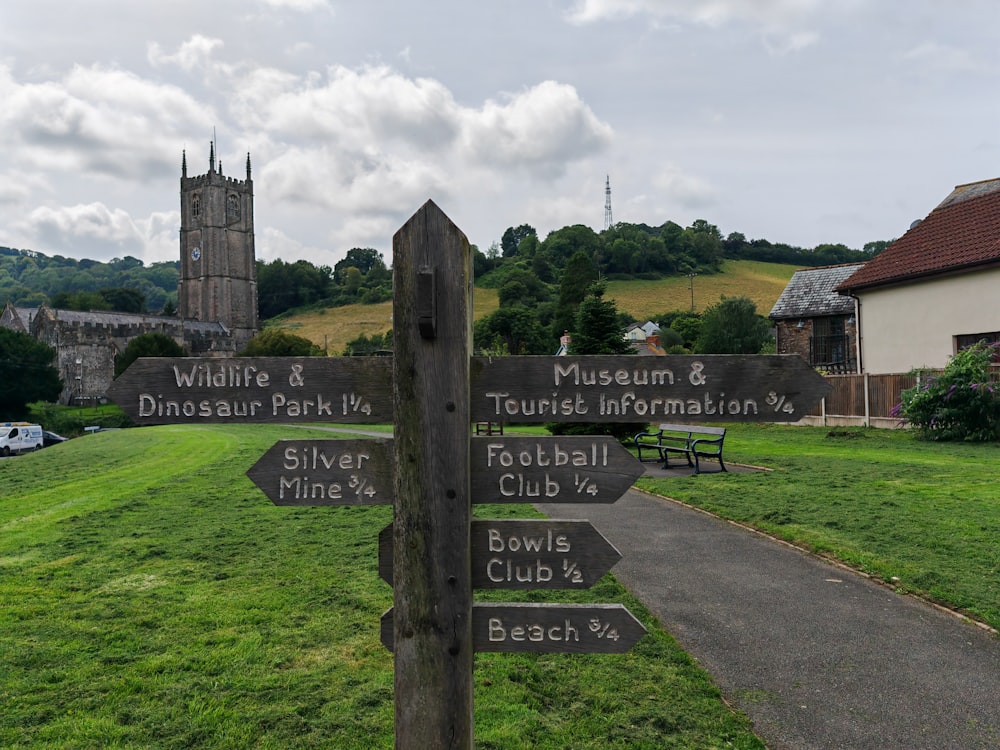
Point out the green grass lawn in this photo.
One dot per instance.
(922, 516)
(152, 597)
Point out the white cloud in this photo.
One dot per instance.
(66, 228)
(298, 5)
(517, 120)
(783, 44)
(367, 181)
(354, 107)
(159, 236)
(542, 130)
(780, 21)
(683, 189)
(97, 120)
(941, 58)
(195, 53)
(17, 187)
(711, 12)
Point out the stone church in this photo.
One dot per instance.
(216, 292)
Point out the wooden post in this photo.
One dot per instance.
(432, 591)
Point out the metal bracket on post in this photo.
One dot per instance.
(426, 303)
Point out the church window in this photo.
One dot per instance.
(196, 207)
(233, 207)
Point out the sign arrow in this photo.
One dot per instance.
(546, 628)
(608, 388)
(242, 390)
(326, 472)
(576, 469)
(527, 554)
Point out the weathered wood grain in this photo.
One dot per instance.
(528, 554)
(607, 388)
(326, 472)
(432, 592)
(546, 628)
(243, 390)
(567, 469)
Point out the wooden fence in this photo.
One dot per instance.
(863, 399)
(869, 400)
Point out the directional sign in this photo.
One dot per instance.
(576, 469)
(547, 628)
(241, 390)
(709, 388)
(552, 470)
(326, 472)
(527, 554)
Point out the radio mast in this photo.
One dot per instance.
(607, 203)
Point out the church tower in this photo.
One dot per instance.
(218, 277)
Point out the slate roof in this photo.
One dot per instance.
(97, 317)
(812, 293)
(10, 318)
(960, 234)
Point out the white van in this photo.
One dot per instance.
(16, 437)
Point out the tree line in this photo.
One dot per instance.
(522, 267)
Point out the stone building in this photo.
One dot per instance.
(814, 321)
(218, 273)
(216, 293)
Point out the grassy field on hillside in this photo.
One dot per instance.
(762, 282)
(152, 597)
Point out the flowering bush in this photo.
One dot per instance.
(959, 404)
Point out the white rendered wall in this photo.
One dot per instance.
(915, 325)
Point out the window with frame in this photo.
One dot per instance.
(966, 340)
(233, 207)
(829, 343)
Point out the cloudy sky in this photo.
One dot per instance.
(798, 121)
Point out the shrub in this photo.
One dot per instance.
(959, 404)
(274, 342)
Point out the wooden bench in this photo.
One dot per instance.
(489, 428)
(692, 441)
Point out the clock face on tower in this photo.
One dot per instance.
(196, 253)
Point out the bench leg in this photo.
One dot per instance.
(697, 465)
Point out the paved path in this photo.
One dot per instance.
(817, 656)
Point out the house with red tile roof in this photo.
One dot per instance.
(936, 289)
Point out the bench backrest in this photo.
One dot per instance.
(691, 428)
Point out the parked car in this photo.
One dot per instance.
(51, 438)
(16, 437)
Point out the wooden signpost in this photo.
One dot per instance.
(704, 388)
(546, 628)
(242, 390)
(326, 472)
(574, 469)
(527, 554)
(433, 470)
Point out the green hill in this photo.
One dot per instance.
(333, 327)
